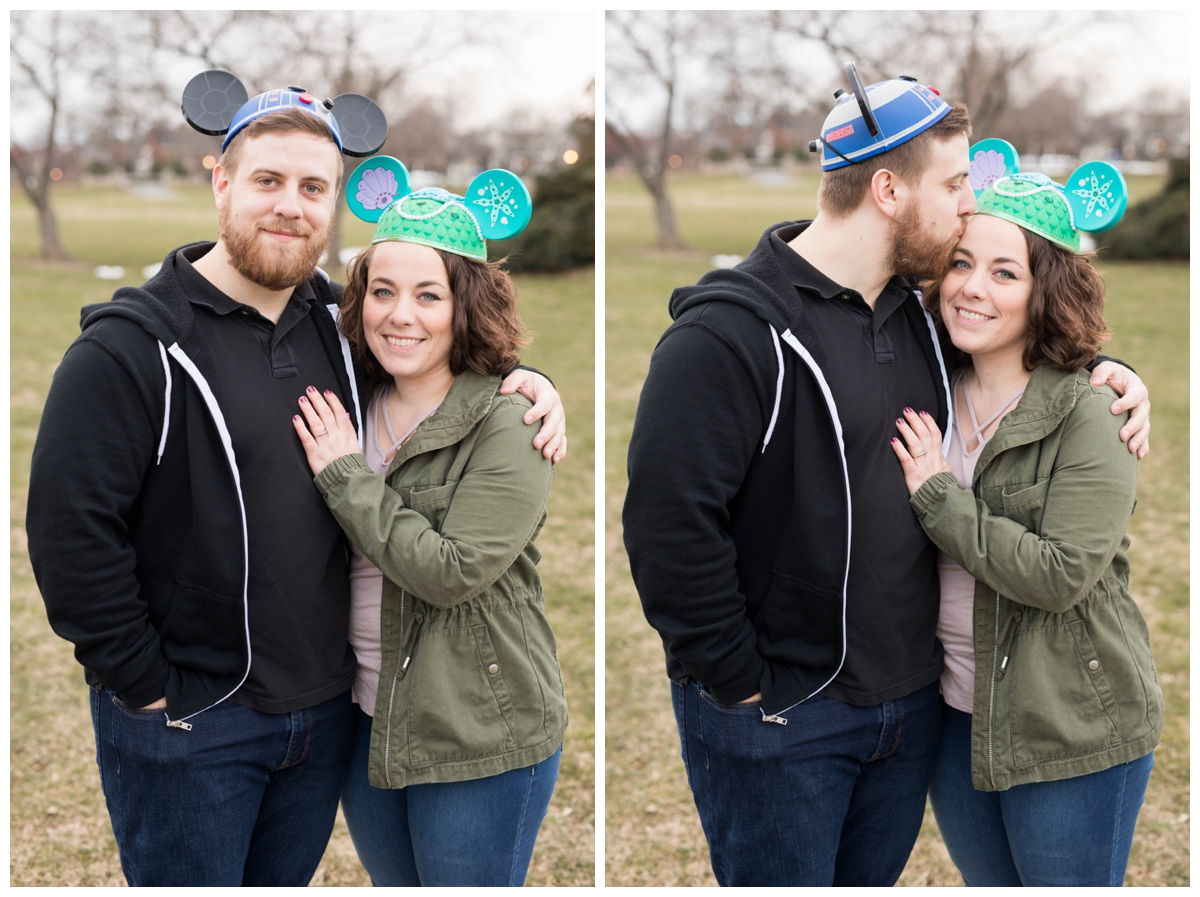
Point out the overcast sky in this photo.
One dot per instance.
(1122, 60)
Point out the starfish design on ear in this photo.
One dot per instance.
(498, 202)
(1095, 193)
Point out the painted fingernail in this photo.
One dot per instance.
(909, 410)
(297, 417)
(311, 389)
(894, 439)
(328, 392)
(303, 400)
(899, 421)
(926, 413)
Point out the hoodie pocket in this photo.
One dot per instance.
(800, 623)
(205, 630)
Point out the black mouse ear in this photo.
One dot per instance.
(211, 99)
(362, 124)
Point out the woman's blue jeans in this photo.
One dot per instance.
(474, 833)
(1071, 832)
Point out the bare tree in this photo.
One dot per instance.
(40, 52)
(977, 58)
(649, 47)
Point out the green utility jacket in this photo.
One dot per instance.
(470, 684)
(1064, 681)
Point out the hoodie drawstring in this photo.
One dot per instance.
(778, 388)
(162, 443)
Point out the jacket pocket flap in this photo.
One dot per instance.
(1024, 496)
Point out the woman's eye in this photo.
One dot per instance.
(960, 264)
(1005, 275)
(430, 297)
(382, 293)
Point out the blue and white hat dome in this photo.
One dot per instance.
(902, 109)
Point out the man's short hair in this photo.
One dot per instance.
(843, 189)
(282, 122)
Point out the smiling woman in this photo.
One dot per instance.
(462, 706)
(1049, 752)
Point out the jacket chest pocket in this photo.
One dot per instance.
(1026, 505)
(459, 707)
(431, 502)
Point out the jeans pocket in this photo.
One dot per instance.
(157, 713)
(745, 707)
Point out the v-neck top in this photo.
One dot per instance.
(366, 580)
(955, 628)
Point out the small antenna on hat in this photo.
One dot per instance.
(860, 94)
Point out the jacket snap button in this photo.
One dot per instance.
(495, 668)
(1094, 665)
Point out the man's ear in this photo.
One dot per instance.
(220, 185)
(887, 192)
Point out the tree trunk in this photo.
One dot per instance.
(48, 224)
(664, 217)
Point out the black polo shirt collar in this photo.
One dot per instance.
(805, 277)
(200, 291)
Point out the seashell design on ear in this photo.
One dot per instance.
(1097, 195)
(991, 160)
(374, 185)
(500, 202)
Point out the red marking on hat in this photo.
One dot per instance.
(305, 98)
(934, 89)
(840, 133)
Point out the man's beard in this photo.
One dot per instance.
(916, 251)
(275, 266)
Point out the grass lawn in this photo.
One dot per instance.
(653, 836)
(59, 828)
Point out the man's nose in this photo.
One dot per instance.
(967, 205)
(287, 204)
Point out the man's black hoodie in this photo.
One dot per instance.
(737, 517)
(137, 532)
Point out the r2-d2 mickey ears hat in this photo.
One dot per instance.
(216, 102)
(1093, 200)
(497, 206)
(871, 120)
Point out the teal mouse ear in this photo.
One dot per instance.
(1097, 195)
(500, 203)
(991, 160)
(375, 185)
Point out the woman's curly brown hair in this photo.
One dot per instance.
(1066, 309)
(487, 331)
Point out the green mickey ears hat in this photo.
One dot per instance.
(1093, 201)
(497, 206)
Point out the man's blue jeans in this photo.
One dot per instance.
(1069, 833)
(244, 798)
(835, 797)
(468, 834)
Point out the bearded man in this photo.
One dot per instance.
(802, 649)
(179, 541)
